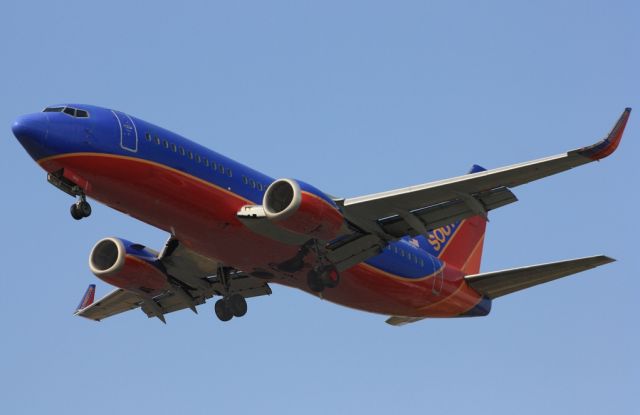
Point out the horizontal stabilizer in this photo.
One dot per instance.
(401, 321)
(499, 283)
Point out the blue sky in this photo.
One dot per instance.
(354, 97)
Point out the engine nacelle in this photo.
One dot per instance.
(127, 265)
(303, 209)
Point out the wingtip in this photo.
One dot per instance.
(610, 143)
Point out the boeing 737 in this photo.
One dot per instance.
(409, 253)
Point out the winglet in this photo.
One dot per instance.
(87, 298)
(605, 147)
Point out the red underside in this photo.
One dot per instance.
(203, 217)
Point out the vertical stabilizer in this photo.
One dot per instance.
(460, 244)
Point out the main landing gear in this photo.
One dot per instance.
(81, 209)
(322, 277)
(229, 307)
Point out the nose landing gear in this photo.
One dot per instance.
(81, 209)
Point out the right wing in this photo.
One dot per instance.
(415, 210)
(443, 202)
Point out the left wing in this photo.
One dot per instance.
(116, 302)
(193, 279)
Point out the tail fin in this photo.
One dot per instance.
(460, 244)
(87, 298)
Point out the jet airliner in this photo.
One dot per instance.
(409, 253)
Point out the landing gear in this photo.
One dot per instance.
(323, 277)
(80, 209)
(223, 311)
(229, 307)
(238, 305)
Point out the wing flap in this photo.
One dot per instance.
(448, 212)
(499, 283)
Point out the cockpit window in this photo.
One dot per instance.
(74, 112)
(53, 109)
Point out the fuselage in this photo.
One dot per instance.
(194, 193)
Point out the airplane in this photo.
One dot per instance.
(409, 253)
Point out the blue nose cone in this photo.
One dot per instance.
(32, 130)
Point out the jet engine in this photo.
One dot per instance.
(303, 209)
(127, 265)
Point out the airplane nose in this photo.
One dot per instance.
(30, 126)
(31, 130)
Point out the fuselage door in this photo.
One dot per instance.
(128, 132)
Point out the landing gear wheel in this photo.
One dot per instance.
(223, 311)
(80, 209)
(315, 282)
(76, 213)
(85, 208)
(237, 304)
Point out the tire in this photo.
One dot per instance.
(237, 304)
(84, 208)
(315, 282)
(75, 212)
(223, 312)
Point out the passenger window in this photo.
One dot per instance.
(229, 173)
(182, 152)
(253, 183)
(206, 161)
(198, 158)
(245, 180)
(221, 169)
(214, 165)
(147, 136)
(174, 147)
(260, 186)
(158, 141)
(166, 144)
(191, 155)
